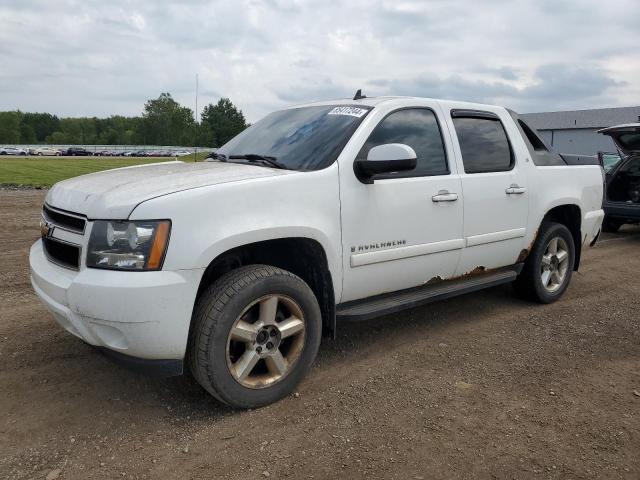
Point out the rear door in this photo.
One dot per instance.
(495, 190)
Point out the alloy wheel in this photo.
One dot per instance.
(555, 264)
(265, 341)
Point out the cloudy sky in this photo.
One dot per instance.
(98, 57)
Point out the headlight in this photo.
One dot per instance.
(138, 245)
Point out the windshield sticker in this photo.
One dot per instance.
(351, 111)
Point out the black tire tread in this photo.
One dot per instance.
(210, 306)
(524, 285)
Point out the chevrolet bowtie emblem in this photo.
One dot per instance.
(46, 229)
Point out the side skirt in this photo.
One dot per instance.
(387, 303)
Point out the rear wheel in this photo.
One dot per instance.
(548, 268)
(611, 225)
(255, 333)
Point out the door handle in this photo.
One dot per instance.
(515, 189)
(445, 196)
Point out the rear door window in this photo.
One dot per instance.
(483, 142)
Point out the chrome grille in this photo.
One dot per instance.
(62, 253)
(65, 220)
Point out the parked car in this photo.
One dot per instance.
(47, 151)
(622, 199)
(78, 152)
(181, 153)
(343, 210)
(12, 151)
(103, 153)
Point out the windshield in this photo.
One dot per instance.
(305, 138)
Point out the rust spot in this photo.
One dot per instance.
(433, 280)
(523, 256)
(479, 270)
(476, 271)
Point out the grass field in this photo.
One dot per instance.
(45, 171)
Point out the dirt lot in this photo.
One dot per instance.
(483, 386)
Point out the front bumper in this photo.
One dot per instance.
(144, 315)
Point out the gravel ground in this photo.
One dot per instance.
(482, 386)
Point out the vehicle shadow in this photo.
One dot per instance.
(93, 385)
(183, 398)
(626, 231)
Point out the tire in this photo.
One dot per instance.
(530, 283)
(611, 225)
(243, 295)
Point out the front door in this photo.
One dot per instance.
(405, 229)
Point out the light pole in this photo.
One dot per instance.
(195, 150)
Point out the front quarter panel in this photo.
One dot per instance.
(209, 221)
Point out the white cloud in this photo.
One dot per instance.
(92, 57)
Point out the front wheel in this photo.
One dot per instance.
(548, 268)
(255, 333)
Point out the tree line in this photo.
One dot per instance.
(163, 122)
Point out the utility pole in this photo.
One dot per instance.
(195, 151)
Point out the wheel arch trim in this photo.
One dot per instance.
(245, 239)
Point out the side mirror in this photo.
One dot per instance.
(387, 158)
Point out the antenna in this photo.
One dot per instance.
(359, 95)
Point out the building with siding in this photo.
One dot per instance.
(576, 131)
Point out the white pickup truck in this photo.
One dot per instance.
(346, 209)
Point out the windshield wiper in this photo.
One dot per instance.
(217, 156)
(264, 159)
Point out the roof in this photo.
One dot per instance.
(374, 101)
(573, 119)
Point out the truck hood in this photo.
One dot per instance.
(115, 193)
(626, 137)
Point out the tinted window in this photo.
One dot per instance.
(418, 128)
(484, 144)
(306, 138)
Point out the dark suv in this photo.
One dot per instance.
(78, 152)
(622, 196)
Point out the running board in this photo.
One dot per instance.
(414, 297)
